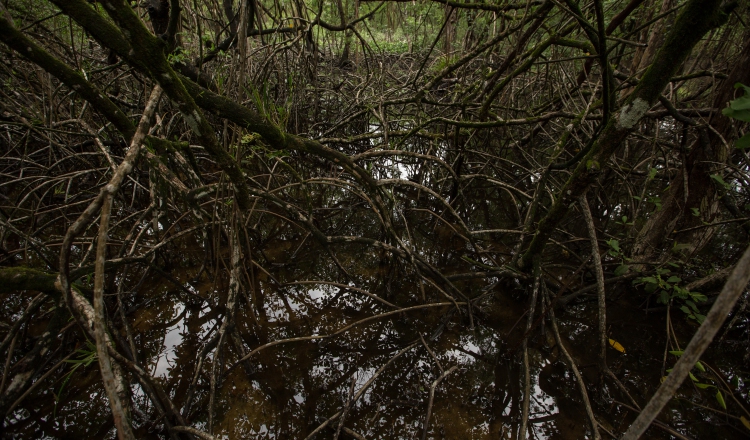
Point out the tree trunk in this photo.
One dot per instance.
(449, 34)
(677, 207)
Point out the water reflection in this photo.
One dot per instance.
(382, 370)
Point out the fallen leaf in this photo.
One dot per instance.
(617, 346)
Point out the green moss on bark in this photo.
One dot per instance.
(71, 78)
(13, 279)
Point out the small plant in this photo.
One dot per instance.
(624, 221)
(705, 377)
(394, 47)
(267, 107)
(656, 200)
(442, 63)
(718, 179)
(250, 138)
(616, 252)
(208, 42)
(86, 356)
(667, 289)
(60, 189)
(177, 57)
(614, 247)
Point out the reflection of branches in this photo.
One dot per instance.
(339, 331)
(571, 362)
(423, 187)
(362, 389)
(432, 397)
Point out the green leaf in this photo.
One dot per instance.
(720, 399)
(614, 244)
(745, 422)
(700, 366)
(742, 86)
(663, 297)
(674, 279)
(679, 247)
(621, 270)
(740, 104)
(700, 318)
(743, 102)
(719, 180)
(703, 386)
(740, 115)
(739, 108)
(677, 352)
(743, 142)
(685, 309)
(652, 173)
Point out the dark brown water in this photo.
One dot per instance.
(288, 390)
(381, 369)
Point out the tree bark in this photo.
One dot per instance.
(701, 193)
(697, 18)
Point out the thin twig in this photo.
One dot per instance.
(432, 397)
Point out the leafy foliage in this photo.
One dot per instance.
(667, 289)
(740, 109)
